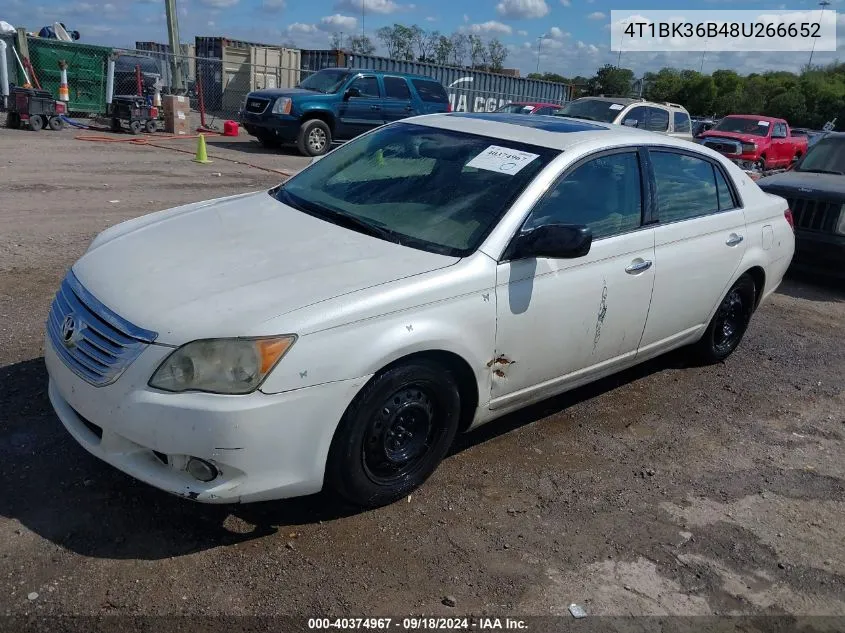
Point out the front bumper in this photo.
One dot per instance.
(284, 127)
(264, 446)
(820, 252)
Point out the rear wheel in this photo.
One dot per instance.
(36, 122)
(315, 138)
(151, 126)
(135, 127)
(394, 434)
(56, 123)
(728, 325)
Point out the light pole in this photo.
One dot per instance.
(362, 18)
(822, 4)
(539, 42)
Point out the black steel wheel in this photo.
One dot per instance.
(56, 123)
(394, 434)
(151, 126)
(728, 325)
(36, 122)
(135, 127)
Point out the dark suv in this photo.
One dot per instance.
(815, 191)
(338, 104)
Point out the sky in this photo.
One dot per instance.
(573, 35)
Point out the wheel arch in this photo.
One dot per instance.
(323, 115)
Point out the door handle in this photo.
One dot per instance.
(408, 109)
(638, 266)
(734, 239)
(375, 107)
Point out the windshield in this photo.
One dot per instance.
(326, 81)
(591, 109)
(427, 188)
(740, 125)
(516, 108)
(826, 156)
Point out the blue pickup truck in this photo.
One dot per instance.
(338, 104)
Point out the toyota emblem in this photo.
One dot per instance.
(69, 330)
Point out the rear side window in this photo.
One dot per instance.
(396, 88)
(686, 186)
(658, 120)
(682, 122)
(726, 200)
(430, 91)
(367, 86)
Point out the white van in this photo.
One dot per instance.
(666, 118)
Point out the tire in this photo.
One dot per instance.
(36, 123)
(727, 327)
(151, 126)
(135, 127)
(760, 164)
(315, 138)
(56, 124)
(394, 434)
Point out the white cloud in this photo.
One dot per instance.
(522, 33)
(299, 27)
(338, 22)
(219, 4)
(210, 24)
(273, 5)
(596, 15)
(466, 18)
(384, 7)
(522, 9)
(557, 34)
(566, 3)
(490, 28)
(431, 18)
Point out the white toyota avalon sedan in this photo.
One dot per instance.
(337, 331)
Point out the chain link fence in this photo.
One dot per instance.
(217, 87)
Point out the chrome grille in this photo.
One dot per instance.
(93, 341)
(256, 105)
(815, 215)
(724, 146)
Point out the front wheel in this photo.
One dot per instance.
(315, 138)
(135, 127)
(394, 434)
(36, 123)
(728, 325)
(56, 124)
(151, 126)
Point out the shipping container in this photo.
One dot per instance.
(222, 69)
(274, 67)
(161, 52)
(469, 90)
(86, 71)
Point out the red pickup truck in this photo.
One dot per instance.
(755, 141)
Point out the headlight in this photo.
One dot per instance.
(282, 106)
(749, 148)
(228, 366)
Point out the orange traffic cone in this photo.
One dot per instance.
(64, 92)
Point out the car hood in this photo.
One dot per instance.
(273, 93)
(745, 138)
(805, 184)
(225, 267)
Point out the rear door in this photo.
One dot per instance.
(397, 99)
(699, 243)
(361, 113)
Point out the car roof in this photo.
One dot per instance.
(545, 131)
(770, 119)
(532, 103)
(630, 100)
(386, 72)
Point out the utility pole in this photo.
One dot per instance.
(363, 33)
(175, 46)
(823, 4)
(539, 42)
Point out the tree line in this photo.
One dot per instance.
(413, 43)
(810, 98)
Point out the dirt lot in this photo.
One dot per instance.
(670, 489)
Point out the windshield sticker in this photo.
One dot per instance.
(763, 123)
(527, 108)
(502, 160)
(616, 106)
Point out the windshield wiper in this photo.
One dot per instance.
(340, 219)
(821, 171)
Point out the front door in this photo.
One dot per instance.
(699, 243)
(361, 109)
(397, 99)
(561, 321)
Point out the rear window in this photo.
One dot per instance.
(682, 122)
(430, 91)
(396, 88)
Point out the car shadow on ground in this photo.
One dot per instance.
(53, 487)
(250, 145)
(812, 287)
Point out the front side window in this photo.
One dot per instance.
(682, 122)
(367, 87)
(603, 193)
(658, 120)
(396, 88)
(636, 117)
(686, 186)
(437, 190)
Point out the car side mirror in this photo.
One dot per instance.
(351, 92)
(630, 122)
(556, 241)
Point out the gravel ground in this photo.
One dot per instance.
(670, 489)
